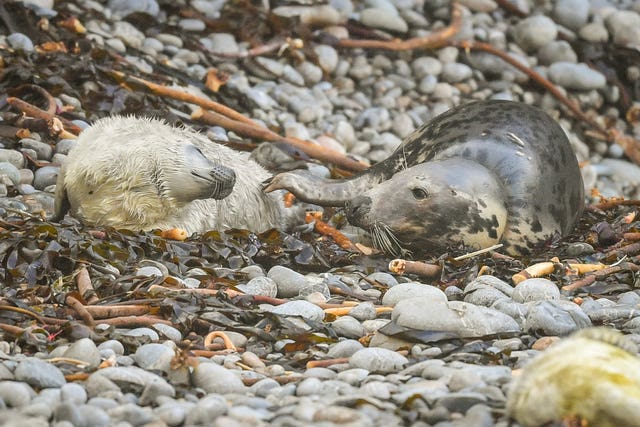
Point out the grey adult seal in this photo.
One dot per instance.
(479, 174)
(143, 174)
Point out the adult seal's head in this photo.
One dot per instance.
(479, 174)
(438, 204)
(143, 174)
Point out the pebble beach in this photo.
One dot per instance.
(308, 335)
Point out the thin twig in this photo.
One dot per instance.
(136, 321)
(404, 266)
(80, 309)
(259, 132)
(601, 274)
(478, 252)
(83, 281)
(23, 311)
(52, 107)
(326, 230)
(430, 41)
(33, 111)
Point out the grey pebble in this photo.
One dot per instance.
(624, 26)
(45, 176)
(85, 350)
(126, 7)
(534, 32)
(300, 308)
(37, 409)
(379, 360)
(353, 376)
(15, 394)
(576, 76)
(168, 331)
(172, 413)
(461, 401)
(154, 356)
(594, 32)
(99, 385)
(347, 326)
(344, 348)
(412, 290)
(43, 151)
(214, 378)
(535, 289)
(114, 345)
(12, 156)
(363, 311)
(557, 51)
(555, 317)
(383, 278)
(573, 14)
(73, 393)
(327, 57)
(264, 286)
(11, 172)
(289, 282)
(190, 24)
(133, 414)
(26, 176)
(424, 66)
(208, 408)
(380, 18)
(129, 34)
(142, 332)
(39, 374)
(455, 72)
(129, 377)
(310, 72)
(19, 41)
(457, 317)
(221, 42)
(264, 387)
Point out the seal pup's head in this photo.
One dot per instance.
(431, 206)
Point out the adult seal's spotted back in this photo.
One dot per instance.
(482, 173)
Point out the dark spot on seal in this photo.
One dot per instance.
(536, 227)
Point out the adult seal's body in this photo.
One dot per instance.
(479, 174)
(143, 174)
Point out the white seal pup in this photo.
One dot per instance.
(482, 173)
(143, 174)
(593, 375)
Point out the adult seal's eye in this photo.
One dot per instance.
(419, 193)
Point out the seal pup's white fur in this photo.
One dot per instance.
(130, 172)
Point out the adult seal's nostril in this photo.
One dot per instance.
(224, 179)
(358, 208)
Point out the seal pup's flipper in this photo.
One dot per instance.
(61, 202)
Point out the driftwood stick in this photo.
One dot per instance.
(85, 287)
(430, 41)
(80, 309)
(33, 111)
(254, 131)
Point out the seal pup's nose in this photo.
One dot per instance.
(224, 179)
(358, 209)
